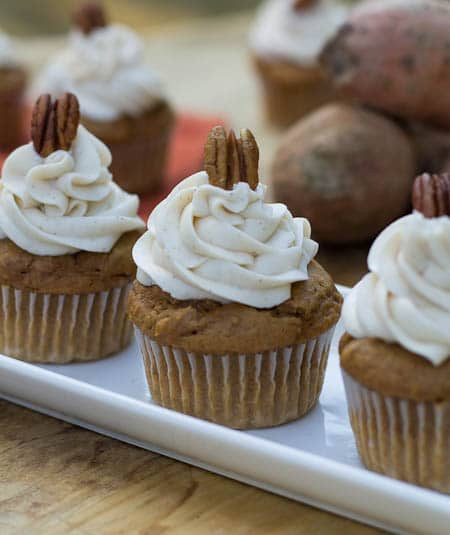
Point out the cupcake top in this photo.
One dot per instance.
(103, 65)
(215, 238)
(57, 195)
(8, 57)
(405, 298)
(296, 31)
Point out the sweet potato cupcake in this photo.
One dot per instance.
(395, 353)
(121, 99)
(285, 41)
(233, 316)
(66, 235)
(12, 88)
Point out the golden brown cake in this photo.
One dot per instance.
(121, 99)
(395, 355)
(285, 41)
(68, 274)
(66, 235)
(211, 327)
(233, 316)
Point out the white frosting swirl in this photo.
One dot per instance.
(66, 202)
(204, 242)
(8, 56)
(406, 296)
(280, 32)
(106, 71)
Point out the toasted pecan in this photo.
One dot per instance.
(216, 157)
(431, 194)
(229, 160)
(54, 125)
(89, 16)
(303, 4)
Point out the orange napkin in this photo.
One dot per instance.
(185, 156)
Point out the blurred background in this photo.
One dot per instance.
(200, 50)
(34, 17)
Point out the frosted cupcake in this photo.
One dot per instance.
(286, 40)
(66, 235)
(121, 98)
(395, 355)
(12, 87)
(233, 316)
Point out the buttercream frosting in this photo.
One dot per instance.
(66, 202)
(280, 32)
(106, 71)
(405, 298)
(204, 242)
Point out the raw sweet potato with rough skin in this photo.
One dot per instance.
(432, 147)
(348, 170)
(395, 56)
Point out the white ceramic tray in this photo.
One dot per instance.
(313, 460)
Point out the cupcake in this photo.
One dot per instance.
(66, 236)
(12, 89)
(233, 316)
(121, 99)
(285, 41)
(395, 352)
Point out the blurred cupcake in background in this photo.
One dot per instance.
(286, 40)
(12, 88)
(121, 99)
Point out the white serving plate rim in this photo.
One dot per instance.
(328, 484)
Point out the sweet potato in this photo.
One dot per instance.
(347, 170)
(395, 56)
(432, 147)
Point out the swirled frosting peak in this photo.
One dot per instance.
(106, 71)
(205, 242)
(406, 296)
(65, 202)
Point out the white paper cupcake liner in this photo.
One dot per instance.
(401, 438)
(240, 391)
(39, 327)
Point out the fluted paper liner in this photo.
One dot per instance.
(241, 391)
(401, 438)
(57, 329)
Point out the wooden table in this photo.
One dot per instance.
(57, 478)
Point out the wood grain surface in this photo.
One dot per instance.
(57, 478)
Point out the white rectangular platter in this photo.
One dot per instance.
(313, 460)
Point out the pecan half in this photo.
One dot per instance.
(89, 16)
(234, 160)
(431, 194)
(54, 125)
(303, 4)
(229, 160)
(216, 157)
(250, 155)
